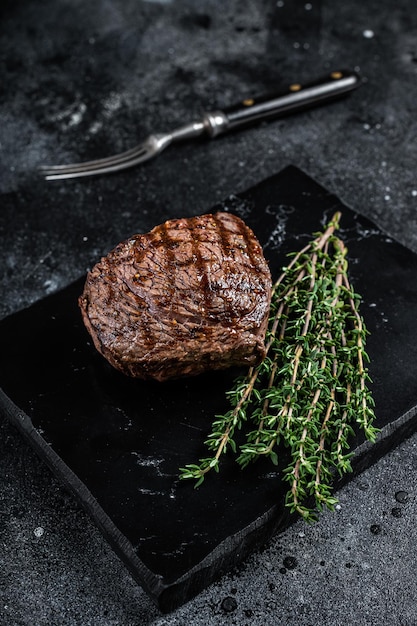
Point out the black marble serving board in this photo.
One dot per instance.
(117, 443)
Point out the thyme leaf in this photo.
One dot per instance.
(310, 392)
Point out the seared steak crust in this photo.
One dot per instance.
(191, 295)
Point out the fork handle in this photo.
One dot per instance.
(296, 97)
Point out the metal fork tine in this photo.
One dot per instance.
(74, 168)
(97, 169)
(148, 149)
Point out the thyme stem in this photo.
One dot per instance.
(311, 387)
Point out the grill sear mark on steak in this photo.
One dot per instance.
(191, 295)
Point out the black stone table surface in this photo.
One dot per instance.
(81, 80)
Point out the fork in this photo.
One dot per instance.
(296, 97)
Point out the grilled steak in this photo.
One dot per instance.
(191, 295)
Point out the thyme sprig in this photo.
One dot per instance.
(311, 389)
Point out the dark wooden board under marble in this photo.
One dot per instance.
(117, 443)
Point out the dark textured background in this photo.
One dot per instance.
(84, 79)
